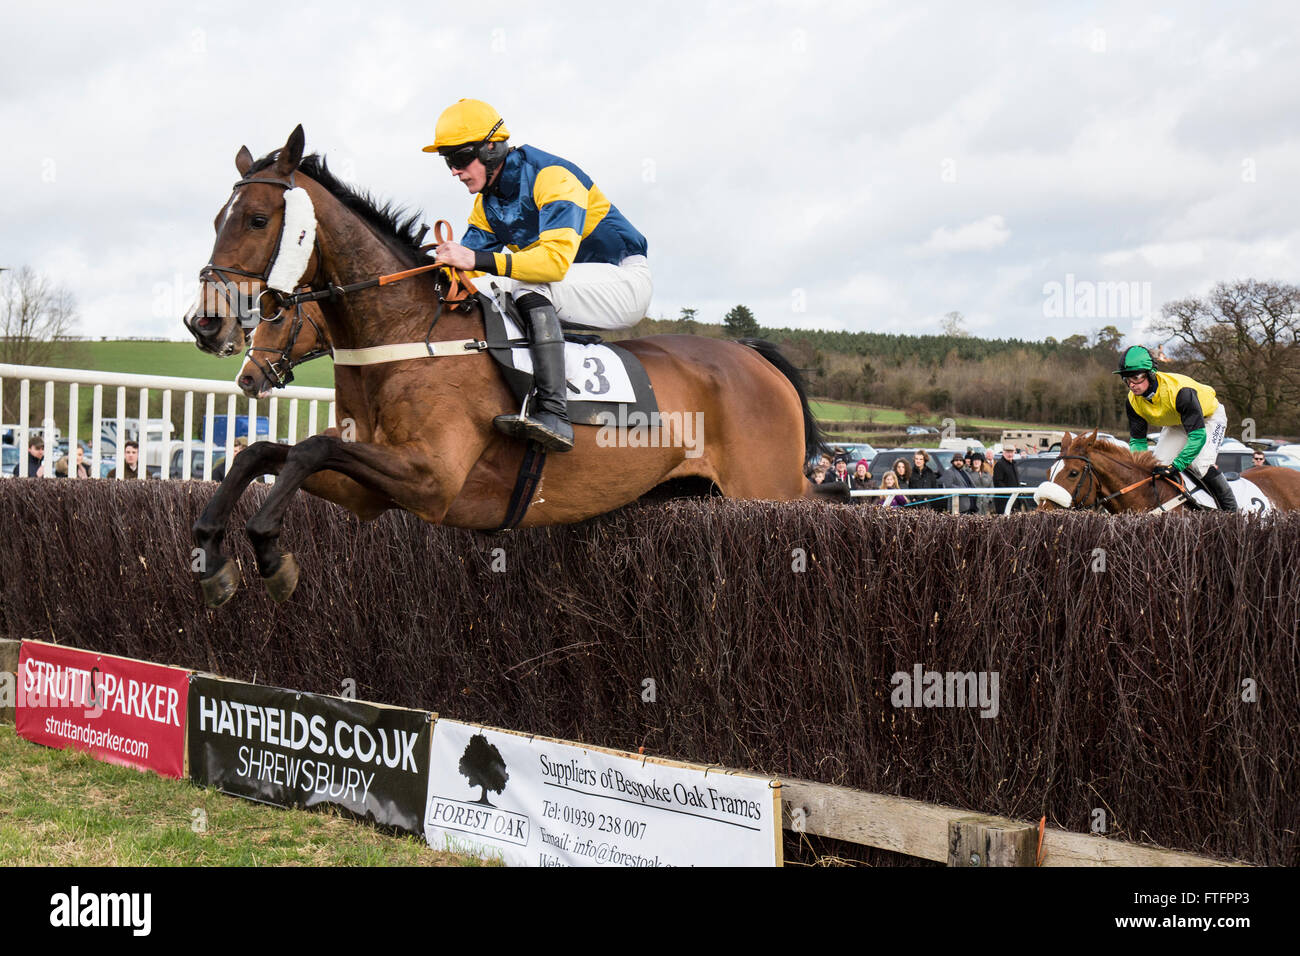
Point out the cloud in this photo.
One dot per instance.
(979, 236)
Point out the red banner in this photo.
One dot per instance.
(119, 710)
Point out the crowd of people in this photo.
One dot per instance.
(129, 467)
(969, 469)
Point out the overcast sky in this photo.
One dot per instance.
(839, 165)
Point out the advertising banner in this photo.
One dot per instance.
(120, 710)
(534, 801)
(294, 749)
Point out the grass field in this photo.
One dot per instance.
(884, 416)
(181, 359)
(62, 808)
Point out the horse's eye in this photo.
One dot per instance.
(1074, 472)
(258, 222)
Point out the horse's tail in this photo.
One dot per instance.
(813, 438)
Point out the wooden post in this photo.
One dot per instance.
(989, 841)
(8, 678)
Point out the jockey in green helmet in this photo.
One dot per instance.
(1192, 417)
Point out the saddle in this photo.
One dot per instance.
(603, 378)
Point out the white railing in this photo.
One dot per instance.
(952, 494)
(154, 437)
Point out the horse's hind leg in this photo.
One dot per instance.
(218, 576)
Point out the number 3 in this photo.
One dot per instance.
(601, 384)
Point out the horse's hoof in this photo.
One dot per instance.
(280, 583)
(220, 586)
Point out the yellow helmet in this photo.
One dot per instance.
(468, 121)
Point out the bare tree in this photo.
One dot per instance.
(952, 325)
(1244, 340)
(33, 314)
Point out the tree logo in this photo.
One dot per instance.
(482, 766)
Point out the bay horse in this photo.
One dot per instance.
(1095, 472)
(276, 348)
(422, 428)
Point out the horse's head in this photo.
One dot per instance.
(265, 245)
(275, 348)
(1073, 480)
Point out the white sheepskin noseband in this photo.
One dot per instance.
(297, 240)
(1051, 491)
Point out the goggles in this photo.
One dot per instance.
(459, 157)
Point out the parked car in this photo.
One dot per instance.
(884, 460)
(854, 452)
(176, 468)
(1236, 460)
(1033, 469)
(922, 430)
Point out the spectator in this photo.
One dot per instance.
(35, 459)
(83, 470)
(903, 471)
(819, 475)
(1005, 475)
(890, 483)
(861, 477)
(130, 464)
(841, 471)
(923, 476)
(1257, 459)
(958, 478)
(219, 472)
(981, 477)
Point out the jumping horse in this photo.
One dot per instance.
(421, 436)
(1096, 473)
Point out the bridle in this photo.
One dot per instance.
(1099, 503)
(458, 294)
(278, 370)
(249, 314)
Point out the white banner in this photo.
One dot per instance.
(534, 801)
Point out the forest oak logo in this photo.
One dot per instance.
(483, 767)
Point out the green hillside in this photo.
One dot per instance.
(181, 359)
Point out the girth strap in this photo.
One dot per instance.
(530, 476)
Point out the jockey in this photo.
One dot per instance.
(1180, 405)
(557, 243)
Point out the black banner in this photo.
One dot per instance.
(294, 749)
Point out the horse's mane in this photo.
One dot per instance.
(1143, 459)
(403, 234)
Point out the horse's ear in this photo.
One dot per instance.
(288, 158)
(1090, 439)
(243, 161)
(1066, 441)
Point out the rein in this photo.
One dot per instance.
(1090, 473)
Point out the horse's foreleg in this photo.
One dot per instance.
(218, 575)
(390, 475)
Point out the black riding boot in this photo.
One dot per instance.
(547, 421)
(1218, 486)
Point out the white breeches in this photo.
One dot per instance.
(595, 294)
(1174, 438)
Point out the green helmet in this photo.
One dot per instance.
(1136, 359)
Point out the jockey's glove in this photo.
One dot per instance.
(1164, 471)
